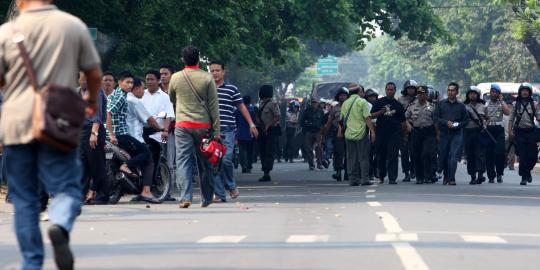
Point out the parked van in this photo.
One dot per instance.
(509, 91)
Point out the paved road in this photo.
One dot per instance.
(303, 220)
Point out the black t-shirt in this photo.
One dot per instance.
(394, 116)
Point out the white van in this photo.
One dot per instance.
(509, 91)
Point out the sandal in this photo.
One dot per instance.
(127, 171)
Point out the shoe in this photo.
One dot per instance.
(291, 161)
(445, 181)
(320, 167)
(452, 183)
(244, 170)
(234, 193)
(205, 204)
(265, 178)
(407, 178)
(368, 183)
(529, 179)
(523, 182)
(354, 184)
(184, 204)
(60, 242)
(311, 168)
(371, 178)
(491, 180)
(326, 164)
(413, 175)
(499, 179)
(419, 181)
(381, 180)
(392, 182)
(473, 180)
(169, 198)
(481, 179)
(218, 200)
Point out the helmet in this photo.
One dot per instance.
(342, 90)
(213, 151)
(407, 84)
(433, 94)
(473, 89)
(525, 86)
(371, 93)
(495, 87)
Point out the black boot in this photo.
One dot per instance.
(473, 180)
(499, 179)
(265, 178)
(407, 177)
(419, 181)
(481, 179)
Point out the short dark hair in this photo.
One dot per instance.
(190, 54)
(137, 82)
(169, 67)
(125, 74)
(153, 72)
(454, 84)
(390, 83)
(246, 99)
(218, 62)
(107, 73)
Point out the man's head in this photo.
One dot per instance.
(125, 81)
(409, 88)
(152, 80)
(525, 91)
(107, 81)
(82, 80)
(371, 95)
(452, 90)
(138, 88)
(314, 103)
(422, 93)
(473, 95)
(356, 89)
(217, 68)
(390, 89)
(494, 91)
(165, 72)
(246, 99)
(266, 91)
(190, 55)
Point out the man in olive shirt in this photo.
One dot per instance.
(59, 46)
(356, 116)
(193, 121)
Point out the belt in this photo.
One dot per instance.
(493, 124)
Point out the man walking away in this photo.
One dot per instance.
(291, 123)
(193, 122)
(47, 31)
(312, 122)
(474, 137)
(408, 96)
(269, 129)
(390, 116)
(229, 98)
(371, 97)
(356, 116)
(334, 133)
(451, 116)
(521, 127)
(420, 119)
(245, 140)
(496, 108)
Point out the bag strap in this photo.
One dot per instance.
(478, 120)
(349, 111)
(516, 124)
(18, 38)
(196, 93)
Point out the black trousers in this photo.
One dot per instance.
(424, 149)
(266, 150)
(339, 153)
(140, 157)
(154, 147)
(406, 154)
(312, 141)
(387, 145)
(495, 152)
(373, 161)
(93, 161)
(290, 146)
(527, 150)
(474, 151)
(246, 154)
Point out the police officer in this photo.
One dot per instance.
(495, 151)
(521, 127)
(408, 95)
(334, 132)
(474, 141)
(420, 119)
(372, 96)
(433, 98)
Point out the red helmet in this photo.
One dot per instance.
(213, 151)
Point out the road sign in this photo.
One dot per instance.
(328, 66)
(93, 32)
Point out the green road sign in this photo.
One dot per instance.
(93, 32)
(328, 66)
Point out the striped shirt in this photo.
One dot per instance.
(229, 99)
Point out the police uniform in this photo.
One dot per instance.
(475, 141)
(405, 151)
(338, 143)
(495, 150)
(423, 140)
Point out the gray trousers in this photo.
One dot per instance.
(358, 159)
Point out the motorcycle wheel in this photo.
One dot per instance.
(163, 182)
(116, 191)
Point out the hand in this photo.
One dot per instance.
(93, 141)
(91, 108)
(254, 132)
(112, 139)
(217, 137)
(450, 124)
(164, 136)
(373, 137)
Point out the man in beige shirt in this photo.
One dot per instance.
(59, 46)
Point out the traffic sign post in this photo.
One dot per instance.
(328, 66)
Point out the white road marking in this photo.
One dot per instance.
(371, 196)
(215, 239)
(389, 222)
(307, 238)
(394, 237)
(410, 259)
(479, 233)
(370, 191)
(488, 239)
(374, 204)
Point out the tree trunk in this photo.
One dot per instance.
(533, 46)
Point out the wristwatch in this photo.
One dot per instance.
(252, 126)
(95, 133)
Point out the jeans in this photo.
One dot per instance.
(224, 180)
(246, 154)
(26, 166)
(358, 159)
(449, 152)
(188, 155)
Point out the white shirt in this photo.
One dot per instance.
(156, 104)
(136, 117)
